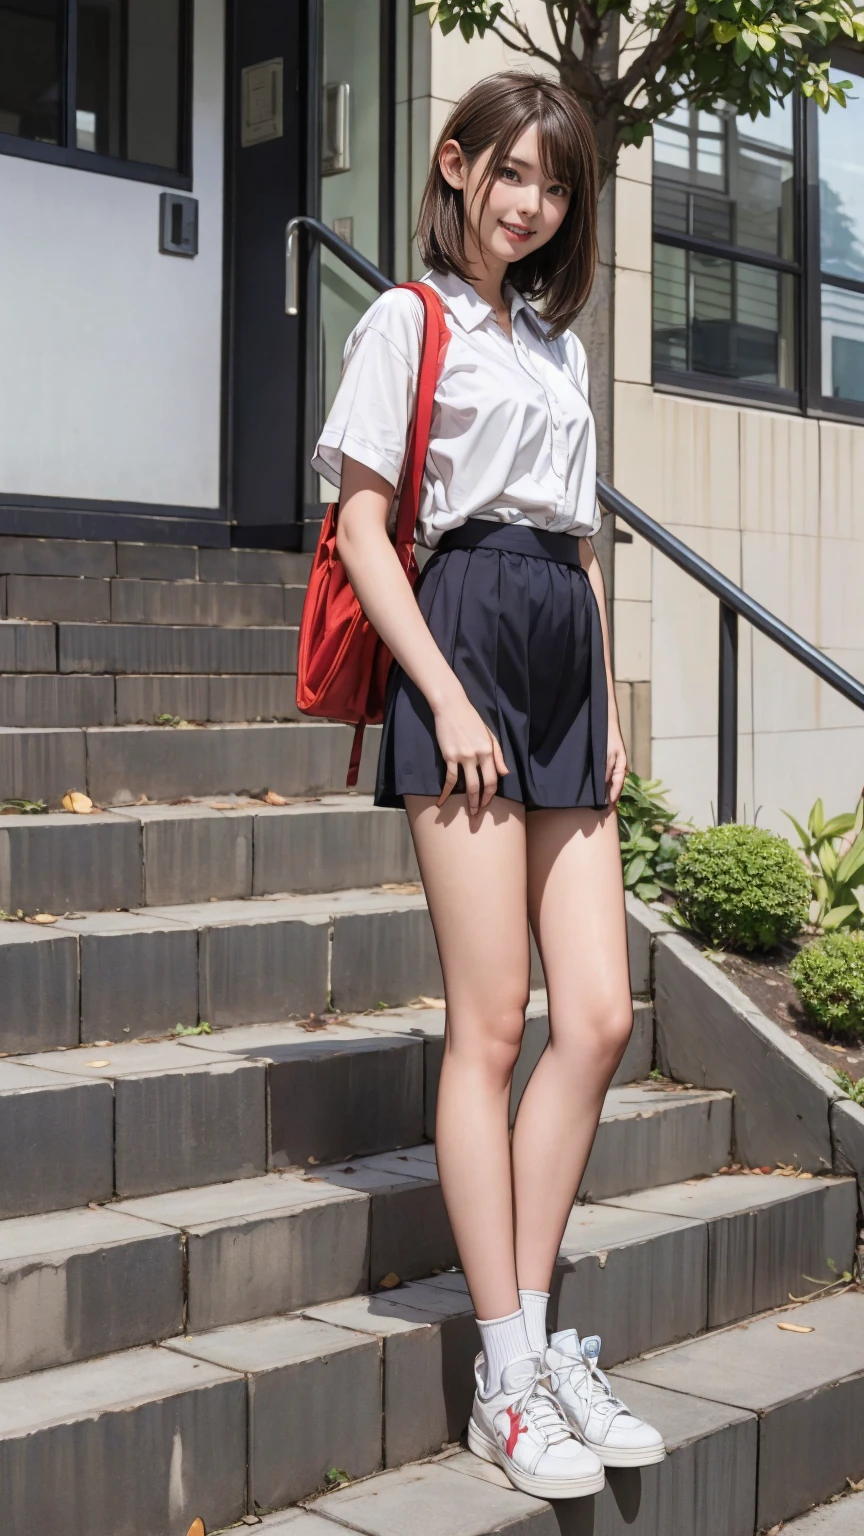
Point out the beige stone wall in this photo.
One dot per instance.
(776, 501)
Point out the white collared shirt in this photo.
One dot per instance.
(512, 436)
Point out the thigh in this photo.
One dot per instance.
(576, 908)
(475, 876)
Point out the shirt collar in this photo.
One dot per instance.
(466, 305)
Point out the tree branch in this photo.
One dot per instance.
(553, 25)
(652, 58)
(531, 48)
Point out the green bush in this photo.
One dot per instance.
(741, 887)
(829, 978)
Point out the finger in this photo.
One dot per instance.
(490, 779)
(450, 779)
(500, 765)
(472, 786)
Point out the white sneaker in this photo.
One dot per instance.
(607, 1427)
(522, 1429)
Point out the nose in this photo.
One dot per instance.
(529, 202)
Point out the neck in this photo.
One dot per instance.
(487, 274)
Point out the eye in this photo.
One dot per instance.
(558, 191)
(509, 170)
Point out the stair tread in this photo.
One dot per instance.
(758, 1365)
(193, 808)
(843, 1517)
(111, 1383)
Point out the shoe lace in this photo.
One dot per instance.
(601, 1398)
(539, 1408)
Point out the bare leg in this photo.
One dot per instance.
(474, 873)
(576, 905)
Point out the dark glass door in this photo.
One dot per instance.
(268, 75)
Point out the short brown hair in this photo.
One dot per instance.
(495, 112)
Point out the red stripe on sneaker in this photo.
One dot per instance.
(517, 1428)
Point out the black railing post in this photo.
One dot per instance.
(727, 724)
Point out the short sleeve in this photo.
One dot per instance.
(578, 360)
(370, 417)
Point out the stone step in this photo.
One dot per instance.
(384, 1378)
(129, 600)
(120, 764)
(203, 1110)
(141, 1442)
(226, 962)
(705, 1487)
(165, 562)
(805, 1390)
(146, 648)
(843, 1516)
(73, 699)
(157, 855)
(81, 1283)
(265, 959)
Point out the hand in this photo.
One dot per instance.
(467, 742)
(616, 763)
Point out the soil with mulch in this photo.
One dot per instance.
(765, 980)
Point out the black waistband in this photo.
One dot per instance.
(512, 539)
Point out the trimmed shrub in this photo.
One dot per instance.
(742, 887)
(829, 978)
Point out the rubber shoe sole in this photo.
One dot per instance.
(532, 1484)
(621, 1457)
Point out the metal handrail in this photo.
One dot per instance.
(734, 601)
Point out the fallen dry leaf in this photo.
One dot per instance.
(272, 798)
(75, 801)
(105, 1063)
(221, 805)
(404, 887)
(430, 1002)
(389, 1281)
(602, 1257)
(796, 1328)
(196, 1528)
(41, 917)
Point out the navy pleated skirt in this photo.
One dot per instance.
(515, 615)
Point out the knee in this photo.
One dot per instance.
(490, 1042)
(612, 1030)
(604, 1033)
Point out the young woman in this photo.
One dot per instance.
(501, 737)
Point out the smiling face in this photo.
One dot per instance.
(525, 206)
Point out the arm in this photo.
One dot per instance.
(388, 602)
(616, 754)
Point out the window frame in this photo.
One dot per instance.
(807, 398)
(69, 155)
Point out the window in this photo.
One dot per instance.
(758, 273)
(97, 84)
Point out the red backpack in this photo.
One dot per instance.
(342, 663)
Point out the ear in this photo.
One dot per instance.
(451, 163)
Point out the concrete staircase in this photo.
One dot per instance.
(226, 1273)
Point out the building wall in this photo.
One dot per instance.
(110, 353)
(768, 497)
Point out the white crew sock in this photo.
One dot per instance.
(534, 1312)
(503, 1339)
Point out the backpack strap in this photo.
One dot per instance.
(434, 345)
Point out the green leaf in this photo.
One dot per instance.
(724, 31)
(817, 819)
(851, 862)
(835, 918)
